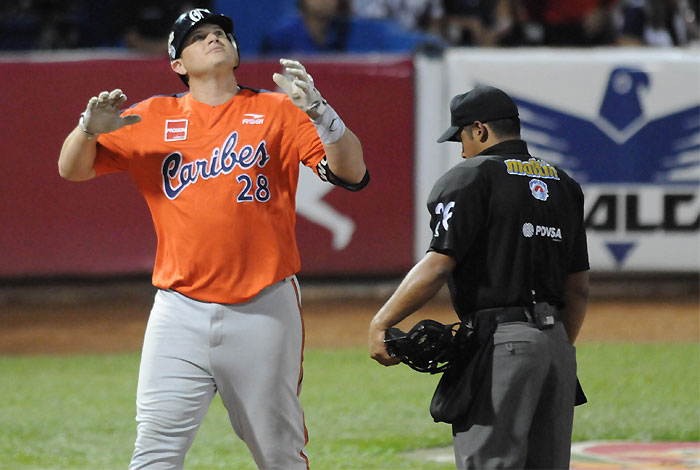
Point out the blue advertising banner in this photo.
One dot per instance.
(626, 124)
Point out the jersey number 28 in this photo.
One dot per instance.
(261, 193)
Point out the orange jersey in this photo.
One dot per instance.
(220, 182)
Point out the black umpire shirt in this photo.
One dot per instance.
(513, 223)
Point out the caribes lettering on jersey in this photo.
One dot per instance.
(177, 176)
(532, 167)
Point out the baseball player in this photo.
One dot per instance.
(218, 168)
(509, 239)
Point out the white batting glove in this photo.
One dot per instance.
(305, 96)
(301, 89)
(102, 114)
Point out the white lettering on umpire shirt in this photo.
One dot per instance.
(530, 230)
(446, 211)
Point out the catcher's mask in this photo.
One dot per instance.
(429, 346)
(186, 22)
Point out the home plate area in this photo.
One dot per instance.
(635, 455)
(608, 455)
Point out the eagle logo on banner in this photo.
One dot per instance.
(619, 145)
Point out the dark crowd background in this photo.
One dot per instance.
(266, 27)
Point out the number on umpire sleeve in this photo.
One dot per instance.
(446, 211)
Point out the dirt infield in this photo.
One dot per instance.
(108, 318)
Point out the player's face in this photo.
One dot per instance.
(207, 47)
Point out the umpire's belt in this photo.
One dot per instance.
(542, 314)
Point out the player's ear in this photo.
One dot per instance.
(178, 67)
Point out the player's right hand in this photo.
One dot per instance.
(102, 113)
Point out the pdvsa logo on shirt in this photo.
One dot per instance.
(175, 129)
(251, 118)
(530, 230)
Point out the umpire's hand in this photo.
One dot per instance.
(377, 347)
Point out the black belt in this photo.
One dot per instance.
(503, 315)
(488, 318)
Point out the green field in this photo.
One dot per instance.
(77, 412)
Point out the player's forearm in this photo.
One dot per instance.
(576, 298)
(77, 157)
(420, 285)
(345, 158)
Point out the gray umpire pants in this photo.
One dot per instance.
(533, 393)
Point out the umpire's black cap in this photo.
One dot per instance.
(483, 103)
(187, 21)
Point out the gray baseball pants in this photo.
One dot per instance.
(250, 353)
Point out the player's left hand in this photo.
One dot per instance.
(300, 88)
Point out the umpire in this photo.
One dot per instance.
(509, 240)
